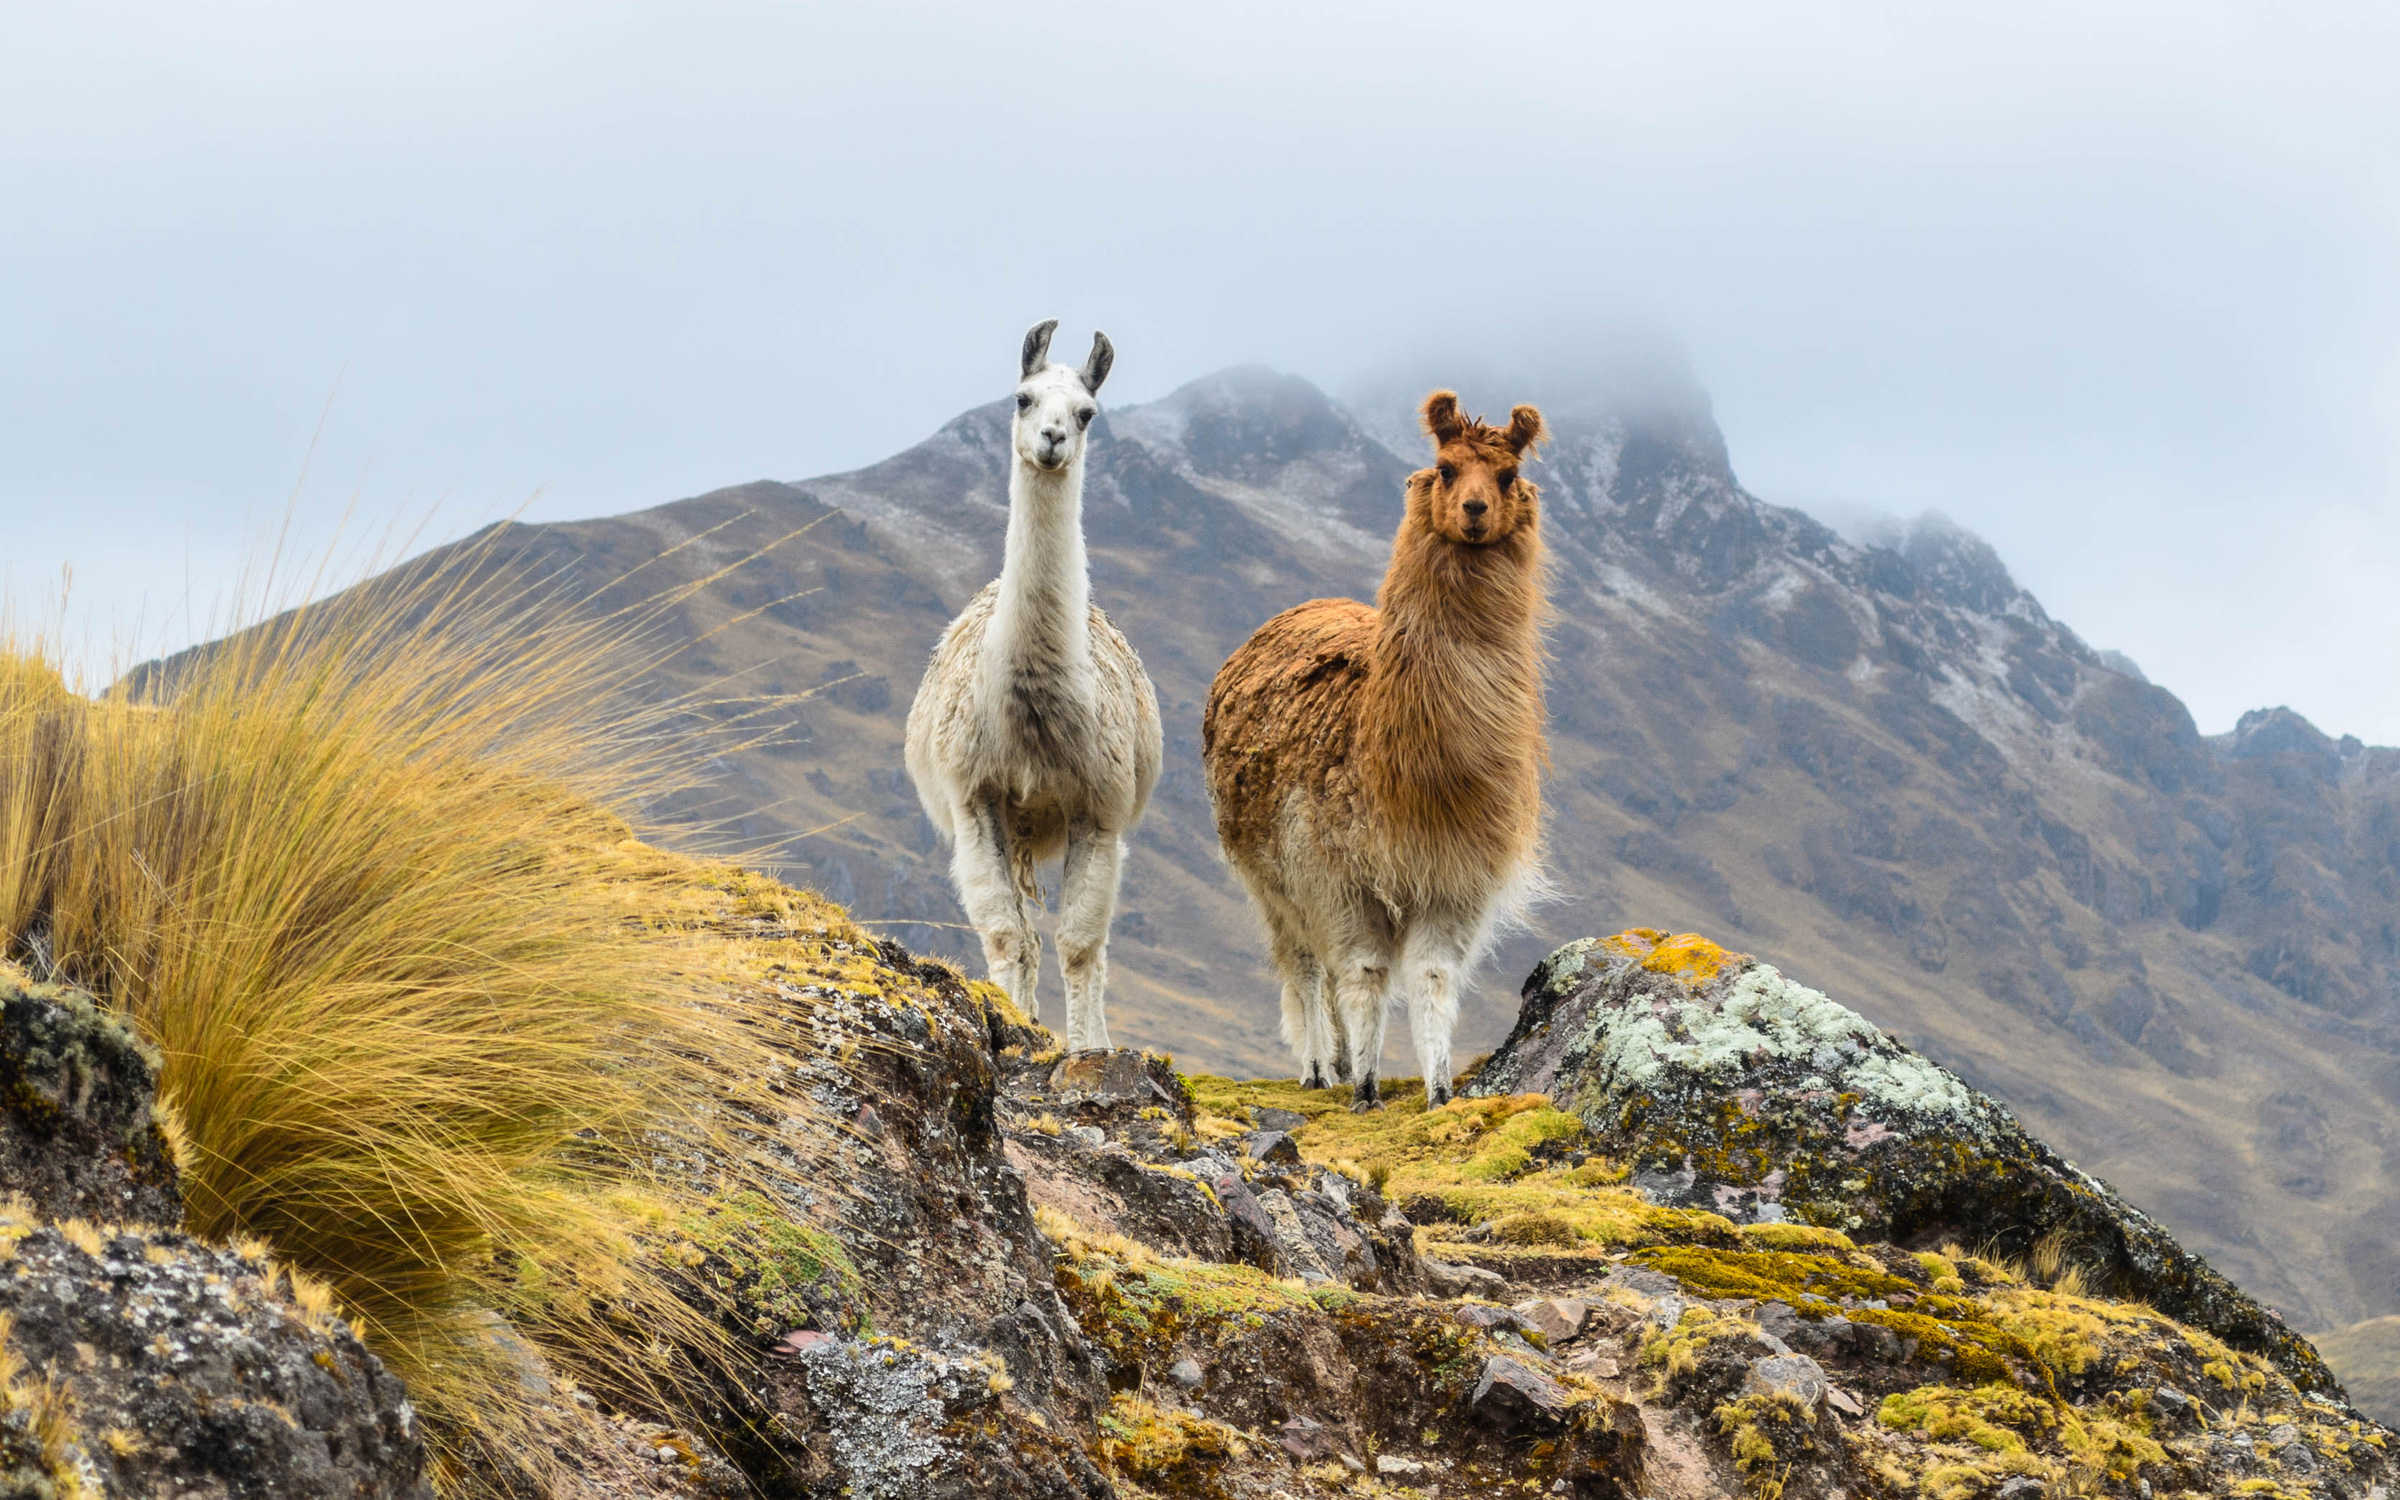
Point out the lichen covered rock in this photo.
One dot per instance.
(1725, 1086)
(77, 1136)
(140, 1362)
(890, 1283)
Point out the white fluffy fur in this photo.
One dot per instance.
(1035, 733)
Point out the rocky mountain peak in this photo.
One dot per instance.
(2279, 731)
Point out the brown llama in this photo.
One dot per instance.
(1376, 773)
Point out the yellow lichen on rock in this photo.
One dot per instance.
(1684, 956)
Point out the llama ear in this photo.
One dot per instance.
(1525, 428)
(1442, 419)
(1037, 346)
(1095, 369)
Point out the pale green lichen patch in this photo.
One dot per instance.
(1760, 1017)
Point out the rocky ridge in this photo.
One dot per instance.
(996, 1270)
(1247, 1290)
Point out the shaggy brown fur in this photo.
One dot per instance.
(1397, 750)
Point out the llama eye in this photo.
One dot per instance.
(1449, 472)
(1024, 402)
(1507, 477)
(1084, 417)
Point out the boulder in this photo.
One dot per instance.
(1274, 1146)
(1794, 1377)
(1515, 1397)
(77, 1138)
(1446, 1280)
(155, 1365)
(1554, 1318)
(1728, 1087)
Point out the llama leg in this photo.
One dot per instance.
(987, 888)
(1087, 902)
(1361, 986)
(1307, 1020)
(1432, 970)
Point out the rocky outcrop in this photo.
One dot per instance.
(1696, 1231)
(76, 1135)
(134, 1360)
(140, 1362)
(1108, 1139)
(1725, 1086)
(894, 1289)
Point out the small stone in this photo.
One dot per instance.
(2023, 1487)
(1089, 1137)
(1843, 1402)
(2173, 1405)
(664, 1454)
(1115, 1075)
(1392, 1463)
(1353, 1465)
(1555, 1318)
(1308, 1440)
(1273, 1146)
(1186, 1373)
(1485, 1316)
(1641, 1279)
(2298, 1457)
(1793, 1375)
(1448, 1280)
(1515, 1397)
(1266, 1118)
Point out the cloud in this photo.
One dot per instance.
(2111, 285)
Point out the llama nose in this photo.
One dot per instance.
(1475, 509)
(1054, 436)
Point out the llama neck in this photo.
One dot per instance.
(1455, 687)
(1041, 621)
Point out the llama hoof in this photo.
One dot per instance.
(1315, 1080)
(1437, 1096)
(1366, 1096)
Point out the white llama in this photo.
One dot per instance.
(1035, 732)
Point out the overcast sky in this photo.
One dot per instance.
(2116, 286)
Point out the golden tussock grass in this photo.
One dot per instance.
(352, 872)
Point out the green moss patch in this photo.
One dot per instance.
(768, 1263)
(1510, 1162)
